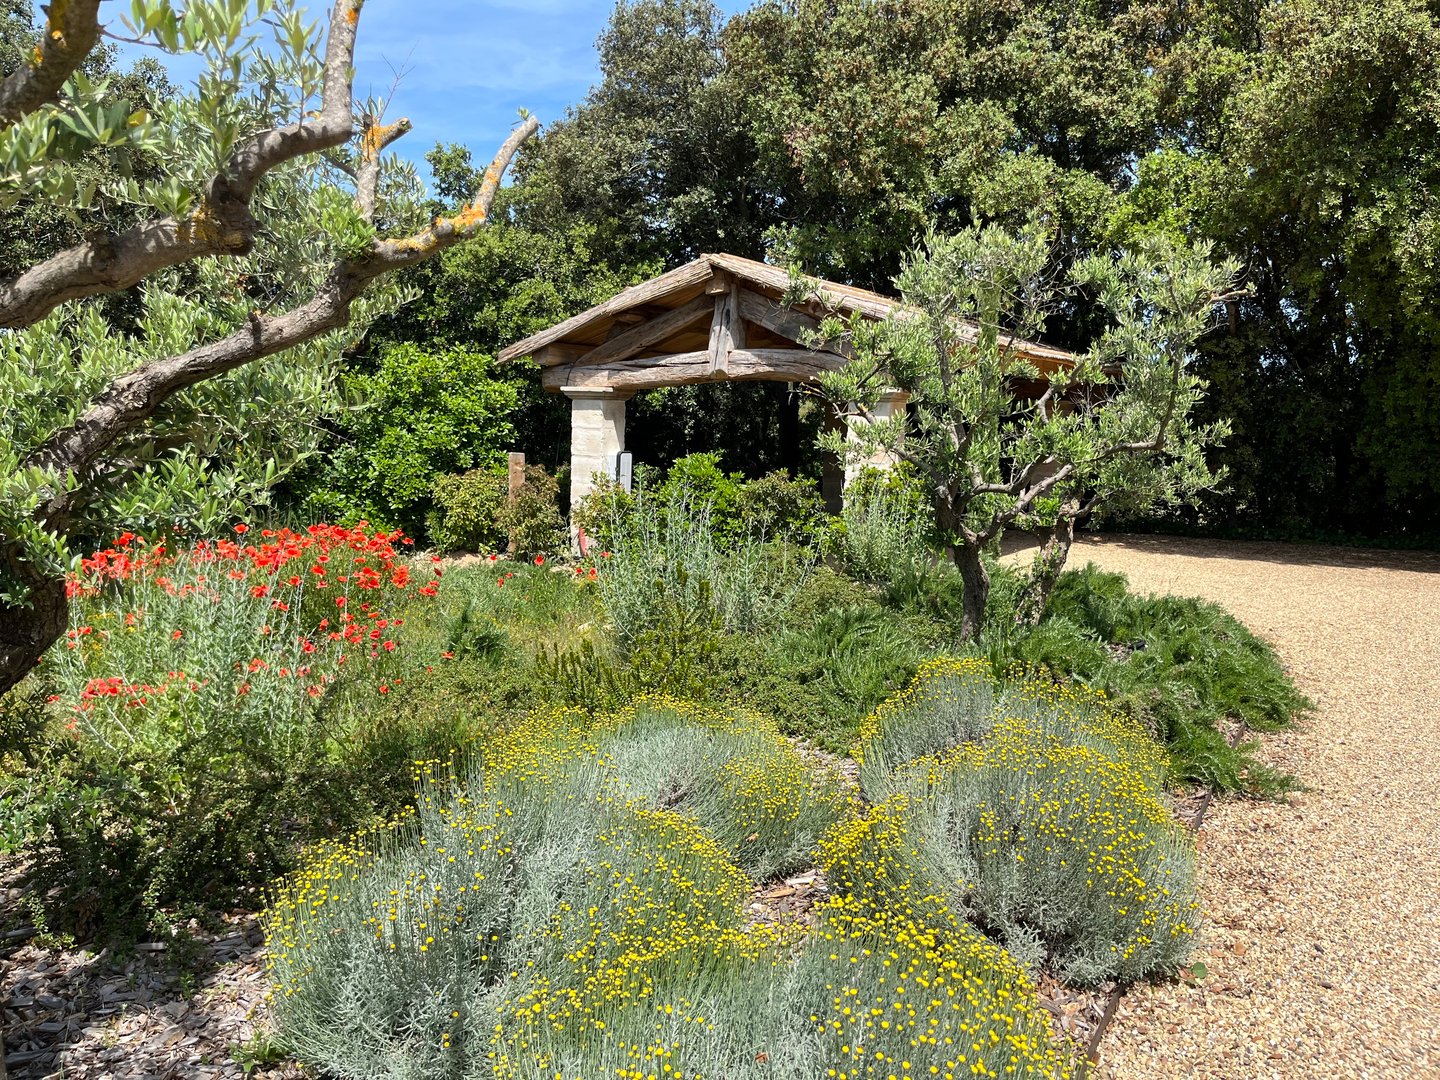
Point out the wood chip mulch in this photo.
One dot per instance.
(73, 1013)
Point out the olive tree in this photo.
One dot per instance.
(1001, 438)
(273, 202)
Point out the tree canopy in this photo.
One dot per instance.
(1298, 137)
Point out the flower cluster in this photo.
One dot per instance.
(1047, 820)
(256, 620)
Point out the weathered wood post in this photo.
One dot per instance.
(516, 481)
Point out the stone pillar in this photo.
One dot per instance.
(888, 405)
(597, 434)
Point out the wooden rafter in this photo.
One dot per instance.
(727, 330)
(641, 336)
(787, 322)
(683, 369)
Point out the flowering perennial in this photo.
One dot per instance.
(571, 910)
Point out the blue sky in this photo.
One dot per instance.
(469, 66)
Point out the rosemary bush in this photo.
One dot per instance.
(885, 528)
(670, 551)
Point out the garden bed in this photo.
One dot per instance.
(797, 657)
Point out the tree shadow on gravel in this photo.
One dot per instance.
(1276, 552)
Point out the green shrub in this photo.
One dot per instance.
(531, 517)
(777, 507)
(674, 656)
(420, 414)
(671, 551)
(467, 511)
(1182, 667)
(885, 527)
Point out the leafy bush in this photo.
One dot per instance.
(467, 511)
(531, 517)
(778, 507)
(420, 414)
(772, 507)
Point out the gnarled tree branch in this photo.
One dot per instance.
(132, 398)
(220, 225)
(71, 29)
(373, 141)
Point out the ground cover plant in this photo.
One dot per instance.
(572, 908)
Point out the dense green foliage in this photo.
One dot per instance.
(1299, 137)
(420, 414)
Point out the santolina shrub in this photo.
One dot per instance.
(1040, 811)
(575, 909)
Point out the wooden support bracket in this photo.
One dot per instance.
(727, 329)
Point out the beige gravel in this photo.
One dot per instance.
(1321, 925)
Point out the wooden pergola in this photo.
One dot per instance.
(720, 318)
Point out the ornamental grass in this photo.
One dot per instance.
(574, 908)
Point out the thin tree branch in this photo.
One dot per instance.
(394, 254)
(132, 398)
(220, 225)
(373, 141)
(71, 29)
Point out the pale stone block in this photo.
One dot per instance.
(597, 435)
(886, 407)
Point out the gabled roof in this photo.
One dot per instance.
(671, 315)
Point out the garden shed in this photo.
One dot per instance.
(718, 318)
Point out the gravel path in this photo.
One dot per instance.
(1322, 917)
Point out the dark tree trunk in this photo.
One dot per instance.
(976, 581)
(27, 630)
